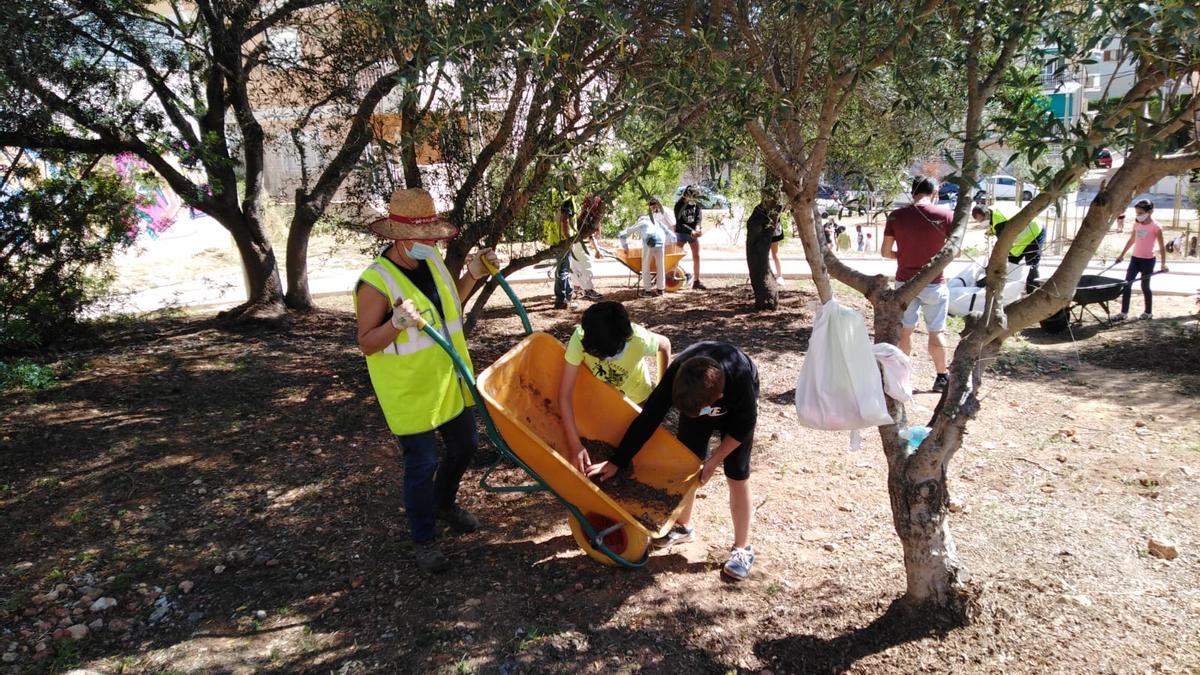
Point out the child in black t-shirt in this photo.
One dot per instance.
(715, 388)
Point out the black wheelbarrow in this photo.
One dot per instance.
(1092, 289)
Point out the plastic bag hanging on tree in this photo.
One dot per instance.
(840, 388)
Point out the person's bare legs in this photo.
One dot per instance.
(695, 246)
(937, 350)
(740, 509)
(775, 257)
(685, 516)
(906, 340)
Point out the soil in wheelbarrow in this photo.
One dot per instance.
(657, 503)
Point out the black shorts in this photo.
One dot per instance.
(695, 433)
(777, 238)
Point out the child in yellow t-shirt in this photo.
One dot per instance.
(614, 350)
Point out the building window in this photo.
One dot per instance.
(285, 47)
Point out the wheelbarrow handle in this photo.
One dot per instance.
(489, 424)
(517, 304)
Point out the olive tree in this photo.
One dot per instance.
(799, 67)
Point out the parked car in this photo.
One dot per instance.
(948, 192)
(1104, 158)
(1004, 187)
(709, 198)
(827, 200)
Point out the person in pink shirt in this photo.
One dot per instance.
(1145, 233)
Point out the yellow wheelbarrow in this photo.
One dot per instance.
(520, 412)
(632, 259)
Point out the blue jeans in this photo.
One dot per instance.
(562, 279)
(424, 493)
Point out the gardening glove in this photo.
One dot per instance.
(405, 314)
(478, 268)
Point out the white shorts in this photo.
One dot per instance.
(934, 303)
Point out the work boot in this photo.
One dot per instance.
(699, 286)
(459, 519)
(430, 558)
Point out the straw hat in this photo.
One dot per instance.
(412, 215)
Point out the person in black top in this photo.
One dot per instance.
(688, 217)
(715, 388)
(766, 216)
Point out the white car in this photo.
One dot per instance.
(1004, 187)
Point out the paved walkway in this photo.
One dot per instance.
(226, 291)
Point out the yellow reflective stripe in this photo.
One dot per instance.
(394, 289)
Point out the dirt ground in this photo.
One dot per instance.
(238, 497)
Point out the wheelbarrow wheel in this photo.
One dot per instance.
(627, 542)
(676, 279)
(1057, 322)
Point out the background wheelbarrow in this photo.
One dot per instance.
(632, 259)
(520, 414)
(1092, 289)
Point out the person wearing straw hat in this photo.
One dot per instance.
(414, 379)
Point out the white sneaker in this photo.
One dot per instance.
(740, 562)
(1119, 316)
(1145, 317)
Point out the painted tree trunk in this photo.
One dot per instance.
(758, 259)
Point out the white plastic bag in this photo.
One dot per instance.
(839, 388)
(966, 277)
(897, 371)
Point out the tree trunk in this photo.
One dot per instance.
(758, 259)
(408, 146)
(264, 290)
(803, 213)
(935, 577)
(299, 296)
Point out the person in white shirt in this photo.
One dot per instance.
(654, 229)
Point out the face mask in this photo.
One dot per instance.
(1142, 217)
(710, 411)
(421, 251)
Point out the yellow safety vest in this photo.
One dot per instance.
(1027, 236)
(415, 381)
